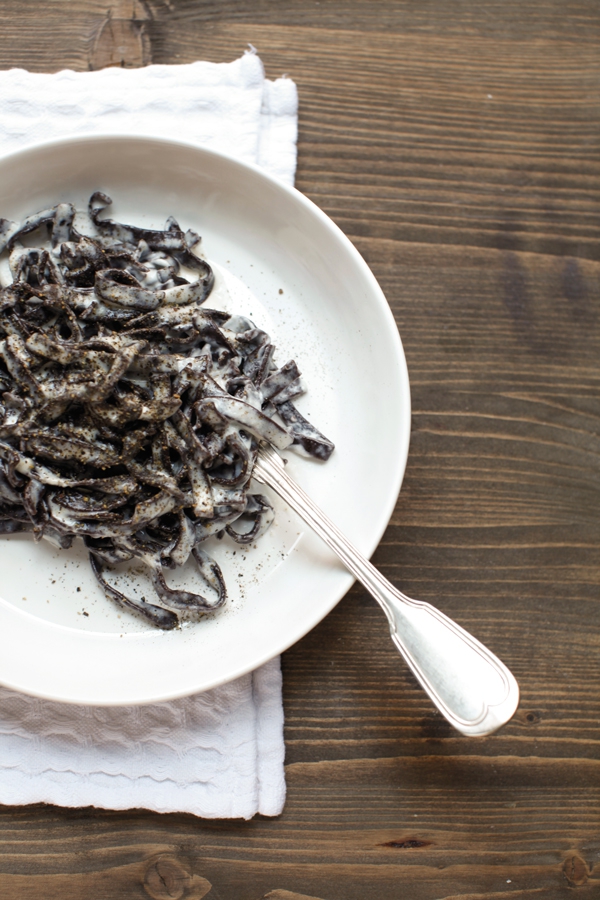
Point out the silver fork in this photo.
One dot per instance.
(470, 686)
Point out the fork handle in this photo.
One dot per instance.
(470, 686)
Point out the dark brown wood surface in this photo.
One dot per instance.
(457, 143)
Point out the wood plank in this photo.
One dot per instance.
(456, 144)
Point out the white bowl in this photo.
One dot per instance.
(292, 270)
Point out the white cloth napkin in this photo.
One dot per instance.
(217, 754)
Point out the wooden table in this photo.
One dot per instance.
(457, 145)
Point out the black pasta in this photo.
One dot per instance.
(130, 415)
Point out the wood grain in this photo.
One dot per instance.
(287, 895)
(456, 143)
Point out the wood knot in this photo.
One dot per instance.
(169, 878)
(575, 870)
(122, 38)
(409, 843)
(528, 716)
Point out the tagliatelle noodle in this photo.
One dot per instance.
(130, 415)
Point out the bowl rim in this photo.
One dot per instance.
(402, 385)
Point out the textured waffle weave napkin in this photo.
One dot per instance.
(217, 754)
